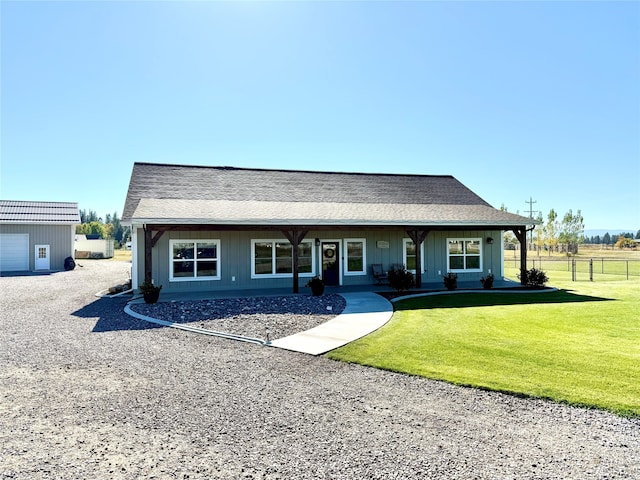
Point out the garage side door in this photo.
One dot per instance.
(14, 252)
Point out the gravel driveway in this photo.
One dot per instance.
(87, 392)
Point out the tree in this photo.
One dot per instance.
(638, 235)
(539, 233)
(88, 217)
(551, 231)
(111, 228)
(92, 228)
(572, 230)
(625, 242)
(606, 239)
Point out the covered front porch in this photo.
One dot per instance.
(374, 243)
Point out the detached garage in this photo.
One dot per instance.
(36, 236)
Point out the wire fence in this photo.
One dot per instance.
(585, 269)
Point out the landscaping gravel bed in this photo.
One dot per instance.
(269, 317)
(88, 392)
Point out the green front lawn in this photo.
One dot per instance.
(580, 345)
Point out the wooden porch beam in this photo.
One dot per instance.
(418, 236)
(295, 237)
(156, 237)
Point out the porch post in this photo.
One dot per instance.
(521, 235)
(148, 240)
(295, 237)
(418, 237)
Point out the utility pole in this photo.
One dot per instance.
(531, 201)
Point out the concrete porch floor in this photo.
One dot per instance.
(343, 289)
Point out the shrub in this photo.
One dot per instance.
(400, 278)
(487, 282)
(535, 278)
(450, 281)
(317, 286)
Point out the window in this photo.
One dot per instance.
(274, 258)
(409, 255)
(194, 260)
(356, 260)
(464, 254)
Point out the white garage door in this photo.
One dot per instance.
(14, 252)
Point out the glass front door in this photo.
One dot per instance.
(331, 263)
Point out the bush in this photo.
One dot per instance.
(400, 278)
(535, 278)
(487, 282)
(450, 281)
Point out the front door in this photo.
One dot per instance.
(43, 261)
(331, 263)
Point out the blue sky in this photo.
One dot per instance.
(515, 99)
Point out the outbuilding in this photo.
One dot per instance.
(198, 228)
(36, 236)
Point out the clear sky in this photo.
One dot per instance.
(517, 100)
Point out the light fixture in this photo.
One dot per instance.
(490, 240)
(317, 242)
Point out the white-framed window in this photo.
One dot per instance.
(274, 258)
(464, 254)
(194, 260)
(409, 255)
(355, 256)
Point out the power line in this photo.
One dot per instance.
(531, 201)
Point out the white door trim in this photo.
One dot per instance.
(42, 257)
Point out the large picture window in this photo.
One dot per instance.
(194, 260)
(409, 255)
(464, 254)
(274, 258)
(356, 259)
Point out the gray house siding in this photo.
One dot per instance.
(60, 239)
(235, 257)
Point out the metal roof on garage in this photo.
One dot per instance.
(57, 213)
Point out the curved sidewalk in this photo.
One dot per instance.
(365, 312)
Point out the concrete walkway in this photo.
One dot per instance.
(365, 312)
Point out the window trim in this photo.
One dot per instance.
(347, 272)
(465, 255)
(273, 241)
(404, 254)
(195, 242)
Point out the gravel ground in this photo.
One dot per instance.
(87, 392)
(258, 317)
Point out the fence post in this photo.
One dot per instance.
(627, 269)
(591, 269)
(573, 270)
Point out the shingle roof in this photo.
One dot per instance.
(60, 213)
(225, 195)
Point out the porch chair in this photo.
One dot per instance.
(379, 274)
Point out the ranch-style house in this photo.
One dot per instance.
(199, 228)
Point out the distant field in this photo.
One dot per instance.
(123, 255)
(608, 265)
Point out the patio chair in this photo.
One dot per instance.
(379, 274)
